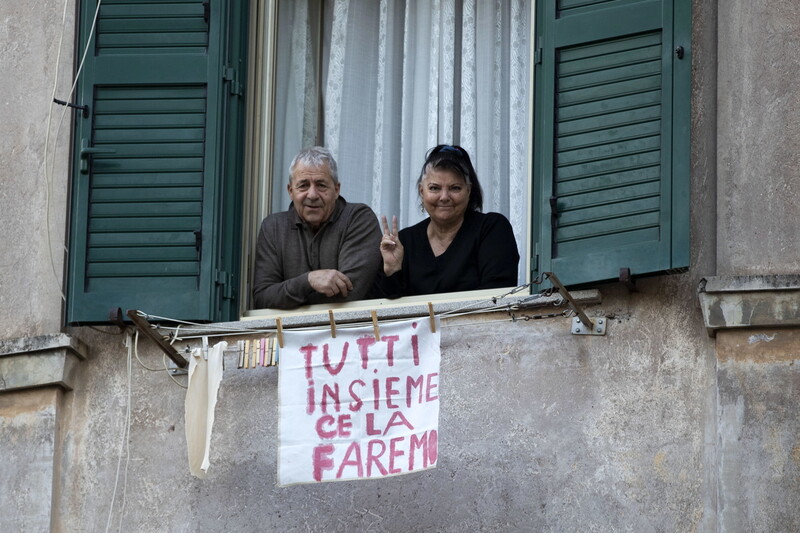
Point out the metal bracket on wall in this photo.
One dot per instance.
(626, 279)
(148, 330)
(579, 328)
(175, 370)
(581, 324)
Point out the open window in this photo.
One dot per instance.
(380, 83)
(575, 113)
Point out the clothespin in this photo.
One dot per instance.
(247, 344)
(205, 348)
(375, 325)
(254, 355)
(333, 323)
(279, 326)
(272, 350)
(241, 345)
(433, 318)
(262, 349)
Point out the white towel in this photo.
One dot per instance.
(205, 377)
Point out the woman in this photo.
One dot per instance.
(457, 248)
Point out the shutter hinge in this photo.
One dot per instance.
(225, 279)
(535, 262)
(537, 54)
(83, 108)
(231, 75)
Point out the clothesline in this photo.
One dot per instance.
(185, 330)
(169, 330)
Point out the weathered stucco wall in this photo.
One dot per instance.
(759, 391)
(30, 299)
(28, 429)
(758, 161)
(758, 207)
(539, 430)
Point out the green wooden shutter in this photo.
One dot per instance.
(148, 182)
(611, 137)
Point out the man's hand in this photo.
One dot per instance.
(330, 282)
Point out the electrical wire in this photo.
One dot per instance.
(48, 168)
(124, 445)
(166, 366)
(136, 353)
(47, 174)
(178, 383)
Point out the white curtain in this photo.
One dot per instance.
(380, 82)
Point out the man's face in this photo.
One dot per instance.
(313, 194)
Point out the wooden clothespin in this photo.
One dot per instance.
(205, 348)
(333, 323)
(272, 350)
(254, 355)
(279, 326)
(375, 325)
(240, 345)
(433, 318)
(262, 352)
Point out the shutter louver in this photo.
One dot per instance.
(146, 198)
(605, 140)
(608, 144)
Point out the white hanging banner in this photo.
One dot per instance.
(353, 407)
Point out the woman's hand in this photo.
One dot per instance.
(391, 247)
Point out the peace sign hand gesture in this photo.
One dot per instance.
(391, 247)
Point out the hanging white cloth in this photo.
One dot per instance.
(205, 376)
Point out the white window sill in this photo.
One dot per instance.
(410, 307)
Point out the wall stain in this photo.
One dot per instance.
(796, 454)
(761, 337)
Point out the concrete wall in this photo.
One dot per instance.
(30, 298)
(758, 160)
(539, 430)
(758, 217)
(28, 425)
(654, 427)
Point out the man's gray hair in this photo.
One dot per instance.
(315, 157)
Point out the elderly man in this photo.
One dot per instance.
(323, 249)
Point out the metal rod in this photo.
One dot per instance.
(585, 320)
(146, 328)
(84, 108)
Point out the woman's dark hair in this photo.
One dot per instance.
(455, 159)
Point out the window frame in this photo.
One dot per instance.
(259, 174)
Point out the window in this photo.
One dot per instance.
(166, 192)
(382, 82)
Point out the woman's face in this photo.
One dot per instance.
(445, 196)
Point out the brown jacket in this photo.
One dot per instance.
(287, 251)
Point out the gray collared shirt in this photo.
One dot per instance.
(287, 250)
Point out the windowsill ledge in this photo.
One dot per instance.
(46, 360)
(738, 302)
(479, 302)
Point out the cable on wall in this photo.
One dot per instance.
(49, 168)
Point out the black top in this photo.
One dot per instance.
(483, 255)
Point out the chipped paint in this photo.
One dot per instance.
(761, 337)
